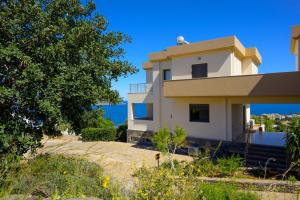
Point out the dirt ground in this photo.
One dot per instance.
(120, 160)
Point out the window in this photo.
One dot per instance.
(167, 74)
(142, 111)
(199, 112)
(199, 70)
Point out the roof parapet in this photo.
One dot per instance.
(231, 43)
(295, 35)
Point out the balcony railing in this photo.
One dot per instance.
(140, 88)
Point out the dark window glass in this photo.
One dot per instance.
(199, 70)
(167, 74)
(199, 112)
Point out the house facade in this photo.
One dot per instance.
(206, 88)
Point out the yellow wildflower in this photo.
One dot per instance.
(65, 172)
(105, 182)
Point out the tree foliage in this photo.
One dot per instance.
(57, 58)
(167, 142)
(293, 140)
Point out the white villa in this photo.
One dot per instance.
(206, 87)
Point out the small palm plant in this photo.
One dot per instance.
(293, 140)
(167, 142)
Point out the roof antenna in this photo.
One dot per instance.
(180, 40)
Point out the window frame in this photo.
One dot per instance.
(164, 73)
(202, 65)
(206, 119)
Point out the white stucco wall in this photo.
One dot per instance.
(236, 65)
(249, 67)
(218, 65)
(214, 129)
(149, 76)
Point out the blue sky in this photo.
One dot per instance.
(153, 25)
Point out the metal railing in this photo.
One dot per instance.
(140, 88)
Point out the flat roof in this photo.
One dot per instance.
(225, 43)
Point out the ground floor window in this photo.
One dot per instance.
(199, 112)
(142, 111)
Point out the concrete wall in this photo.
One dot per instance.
(249, 67)
(237, 121)
(236, 65)
(218, 65)
(169, 112)
(214, 129)
(141, 125)
(149, 76)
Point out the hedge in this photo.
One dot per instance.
(98, 134)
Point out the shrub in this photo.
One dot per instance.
(293, 140)
(163, 183)
(167, 142)
(89, 119)
(229, 166)
(104, 123)
(122, 133)
(222, 191)
(98, 134)
(46, 175)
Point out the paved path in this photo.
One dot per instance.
(118, 159)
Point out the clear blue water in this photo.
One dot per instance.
(118, 113)
(268, 138)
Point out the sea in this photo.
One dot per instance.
(118, 113)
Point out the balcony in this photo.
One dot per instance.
(140, 88)
(263, 88)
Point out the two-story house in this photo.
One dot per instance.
(206, 88)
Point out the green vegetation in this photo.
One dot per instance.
(168, 142)
(49, 176)
(293, 141)
(57, 176)
(163, 183)
(122, 132)
(96, 128)
(57, 59)
(222, 191)
(98, 134)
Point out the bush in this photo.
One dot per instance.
(122, 133)
(98, 134)
(229, 166)
(104, 123)
(47, 175)
(222, 191)
(163, 183)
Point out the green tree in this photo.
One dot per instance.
(57, 58)
(167, 142)
(269, 123)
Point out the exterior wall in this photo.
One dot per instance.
(298, 55)
(237, 122)
(149, 76)
(169, 112)
(141, 125)
(236, 65)
(218, 64)
(215, 129)
(249, 67)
